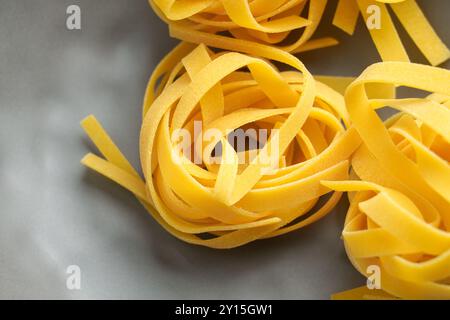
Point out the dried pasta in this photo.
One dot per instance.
(279, 24)
(231, 203)
(234, 24)
(399, 215)
(385, 35)
(220, 196)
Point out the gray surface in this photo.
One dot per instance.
(55, 213)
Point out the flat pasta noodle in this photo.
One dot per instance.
(399, 215)
(386, 37)
(240, 197)
(236, 25)
(212, 193)
(288, 25)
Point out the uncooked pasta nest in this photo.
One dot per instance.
(234, 196)
(289, 25)
(277, 23)
(234, 150)
(399, 216)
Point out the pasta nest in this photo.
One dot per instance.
(253, 25)
(284, 24)
(399, 215)
(240, 197)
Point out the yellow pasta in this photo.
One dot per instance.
(239, 197)
(280, 24)
(305, 136)
(239, 24)
(385, 35)
(399, 215)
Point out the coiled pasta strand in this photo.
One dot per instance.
(234, 202)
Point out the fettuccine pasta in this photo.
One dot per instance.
(309, 143)
(281, 24)
(399, 215)
(385, 35)
(256, 24)
(230, 202)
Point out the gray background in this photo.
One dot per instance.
(55, 213)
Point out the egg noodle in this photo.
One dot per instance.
(277, 22)
(267, 22)
(385, 36)
(232, 202)
(399, 215)
(323, 138)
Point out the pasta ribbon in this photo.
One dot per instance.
(385, 35)
(216, 194)
(262, 25)
(399, 215)
(284, 24)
